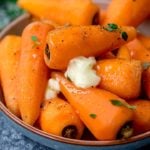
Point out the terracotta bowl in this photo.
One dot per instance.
(57, 142)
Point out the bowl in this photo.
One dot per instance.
(57, 142)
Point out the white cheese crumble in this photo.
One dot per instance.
(80, 71)
(52, 89)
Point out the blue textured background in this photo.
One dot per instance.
(10, 139)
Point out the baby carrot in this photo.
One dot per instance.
(123, 53)
(145, 40)
(141, 119)
(75, 12)
(98, 109)
(120, 76)
(69, 42)
(127, 12)
(59, 118)
(138, 51)
(9, 61)
(32, 71)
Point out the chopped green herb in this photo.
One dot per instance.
(124, 35)
(35, 40)
(93, 116)
(146, 65)
(111, 27)
(119, 103)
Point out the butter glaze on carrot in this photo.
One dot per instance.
(9, 60)
(32, 71)
(69, 42)
(75, 12)
(95, 109)
(59, 118)
(127, 12)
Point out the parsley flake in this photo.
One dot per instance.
(35, 41)
(124, 36)
(119, 103)
(34, 38)
(93, 116)
(111, 27)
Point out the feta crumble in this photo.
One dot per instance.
(52, 89)
(80, 71)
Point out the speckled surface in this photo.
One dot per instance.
(10, 139)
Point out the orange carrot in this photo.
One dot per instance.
(141, 119)
(102, 16)
(145, 40)
(69, 42)
(32, 71)
(123, 53)
(75, 12)
(59, 118)
(127, 12)
(95, 108)
(9, 61)
(138, 51)
(120, 76)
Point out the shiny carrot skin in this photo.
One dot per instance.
(141, 119)
(95, 109)
(121, 77)
(75, 12)
(123, 53)
(138, 51)
(59, 118)
(9, 61)
(127, 12)
(145, 40)
(32, 71)
(69, 42)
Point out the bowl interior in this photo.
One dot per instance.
(16, 27)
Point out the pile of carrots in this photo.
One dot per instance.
(119, 107)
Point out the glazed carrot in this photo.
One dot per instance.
(32, 71)
(59, 118)
(138, 51)
(146, 82)
(95, 108)
(120, 76)
(102, 16)
(75, 12)
(123, 53)
(141, 119)
(127, 12)
(69, 42)
(145, 40)
(9, 60)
